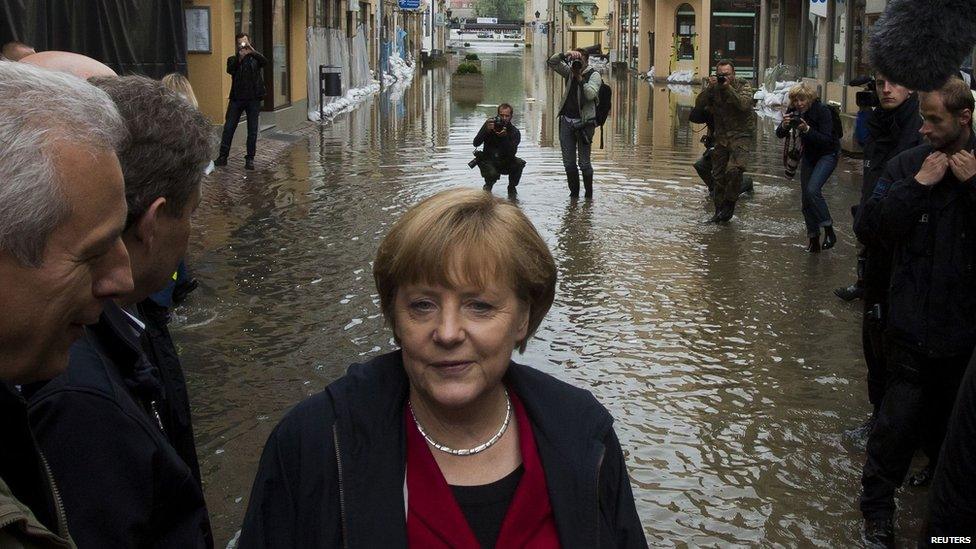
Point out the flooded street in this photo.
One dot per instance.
(730, 367)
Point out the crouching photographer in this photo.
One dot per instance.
(501, 140)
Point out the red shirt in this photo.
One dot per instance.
(434, 519)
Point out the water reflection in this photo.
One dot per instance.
(729, 366)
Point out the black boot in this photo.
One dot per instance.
(850, 293)
(574, 183)
(814, 246)
(220, 161)
(725, 214)
(248, 164)
(830, 238)
(878, 533)
(588, 184)
(488, 186)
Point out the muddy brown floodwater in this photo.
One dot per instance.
(730, 367)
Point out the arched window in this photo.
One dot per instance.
(684, 25)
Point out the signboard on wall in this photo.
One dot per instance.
(409, 4)
(487, 20)
(197, 29)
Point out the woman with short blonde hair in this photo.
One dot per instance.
(446, 442)
(812, 123)
(178, 83)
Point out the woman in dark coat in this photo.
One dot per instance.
(814, 123)
(446, 442)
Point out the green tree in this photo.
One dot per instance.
(504, 10)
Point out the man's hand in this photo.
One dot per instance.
(963, 165)
(490, 124)
(712, 80)
(933, 169)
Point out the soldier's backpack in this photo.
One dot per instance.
(604, 100)
(838, 126)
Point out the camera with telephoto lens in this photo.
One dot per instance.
(868, 97)
(499, 123)
(576, 65)
(721, 78)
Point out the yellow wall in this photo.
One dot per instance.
(663, 16)
(207, 72)
(646, 24)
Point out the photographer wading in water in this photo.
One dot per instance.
(729, 101)
(577, 117)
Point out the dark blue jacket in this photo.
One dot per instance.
(102, 426)
(819, 140)
(332, 472)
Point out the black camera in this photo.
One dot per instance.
(576, 65)
(499, 123)
(721, 78)
(868, 97)
(478, 155)
(794, 119)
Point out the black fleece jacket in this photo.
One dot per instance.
(819, 140)
(102, 426)
(332, 472)
(932, 234)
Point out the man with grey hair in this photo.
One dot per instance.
(62, 212)
(116, 426)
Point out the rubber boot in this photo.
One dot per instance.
(588, 184)
(814, 246)
(488, 185)
(574, 183)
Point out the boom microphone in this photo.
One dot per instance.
(921, 43)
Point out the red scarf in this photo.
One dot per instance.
(434, 519)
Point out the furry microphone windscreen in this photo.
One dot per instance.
(921, 43)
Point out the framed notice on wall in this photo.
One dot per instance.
(198, 29)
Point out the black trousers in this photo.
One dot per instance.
(872, 341)
(493, 168)
(233, 117)
(914, 413)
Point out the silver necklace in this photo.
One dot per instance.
(466, 451)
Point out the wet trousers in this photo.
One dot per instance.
(576, 147)
(814, 173)
(914, 414)
(493, 168)
(729, 162)
(233, 117)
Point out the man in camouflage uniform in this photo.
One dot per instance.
(729, 101)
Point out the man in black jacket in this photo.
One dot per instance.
(62, 208)
(501, 140)
(924, 208)
(892, 128)
(116, 426)
(246, 94)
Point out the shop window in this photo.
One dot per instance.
(817, 40)
(685, 32)
(734, 34)
(279, 60)
(838, 70)
(864, 15)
